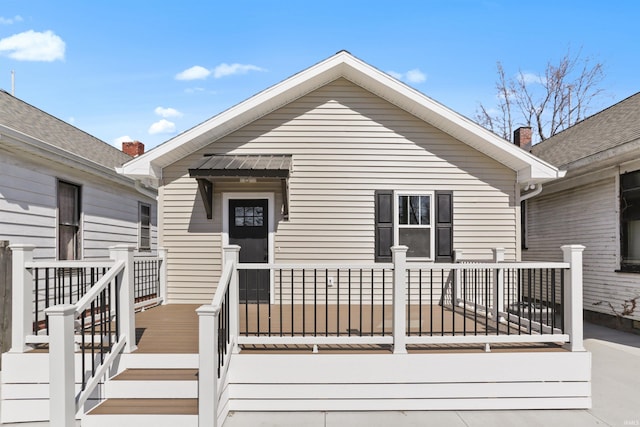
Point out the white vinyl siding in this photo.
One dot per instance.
(28, 208)
(346, 143)
(584, 215)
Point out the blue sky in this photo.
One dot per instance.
(149, 70)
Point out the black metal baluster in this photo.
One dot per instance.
(37, 291)
(349, 303)
(280, 300)
(338, 301)
(408, 331)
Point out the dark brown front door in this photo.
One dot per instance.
(248, 228)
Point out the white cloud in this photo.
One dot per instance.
(162, 126)
(167, 112)
(9, 21)
(415, 76)
(194, 89)
(33, 46)
(411, 76)
(529, 78)
(224, 70)
(118, 141)
(194, 73)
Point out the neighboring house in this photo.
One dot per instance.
(597, 204)
(317, 156)
(59, 189)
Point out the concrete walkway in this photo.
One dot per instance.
(615, 387)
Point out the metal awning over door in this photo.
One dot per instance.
(240, 166)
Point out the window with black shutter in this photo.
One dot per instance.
(421, 221)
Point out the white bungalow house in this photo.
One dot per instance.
(598, 205)
(347, 244)
(59, 189)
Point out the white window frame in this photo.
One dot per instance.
(397, 226)
(140, 247)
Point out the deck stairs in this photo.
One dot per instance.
(159, 390)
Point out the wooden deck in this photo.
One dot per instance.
(173, 328)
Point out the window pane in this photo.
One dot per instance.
(402, 210)
(633, 242)
(414, 210)
(248, 211)
(425, 215)
(239, 211)
(418, 240)
(67, 204)
(239, 221)
(67, 243)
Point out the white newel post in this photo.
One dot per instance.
(62, 399)
(232, 253)
(573, 322)
(399, 254)
(498, 285)
(126, 295)
(22, 297)
(162, 256)
(207, 366)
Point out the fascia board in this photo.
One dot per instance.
(362, 74)
(28, 144)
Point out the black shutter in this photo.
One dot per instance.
(383, 225)
(444, 226)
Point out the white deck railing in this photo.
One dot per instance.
(492, 297)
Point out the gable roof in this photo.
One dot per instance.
(530, 169)
(610, 128)
(26, 119)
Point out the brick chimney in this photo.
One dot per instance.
(522, 137)
(133, 149)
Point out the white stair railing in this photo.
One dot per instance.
(112, 298)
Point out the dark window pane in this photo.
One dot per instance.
(402, 210)
(414, 210)
(67, 242)
(418, 240)
(425, 208)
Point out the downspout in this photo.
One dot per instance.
(535, 192)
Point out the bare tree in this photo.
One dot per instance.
(548, 102)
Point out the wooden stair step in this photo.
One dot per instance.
(146, 407)
(138, 374)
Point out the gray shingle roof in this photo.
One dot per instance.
(611, 127)
(25, 118)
